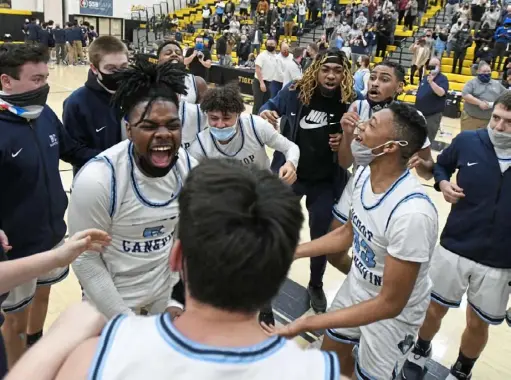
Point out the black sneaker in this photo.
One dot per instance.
(457, 375)
(415, 365)
(267, 317)
(317, 298)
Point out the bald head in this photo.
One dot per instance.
(434, 61)
(284, 47)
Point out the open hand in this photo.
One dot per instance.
(271, 117)
(288, 331)
(88, 240)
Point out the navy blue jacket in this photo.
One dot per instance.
(60, 36)
(90, 119)
(76, 33)
(69, 35)
(33, 31)
(479, 225)
(289, 107)
(32, 199)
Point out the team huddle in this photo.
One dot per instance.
(203, 229)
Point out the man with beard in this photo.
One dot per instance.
(131, 191)
(171, 51)
(88, 115)
(311, 109)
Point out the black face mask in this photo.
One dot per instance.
(108, 81)
(378, 106)
(358, 64)
(431, 67)
(37, 97)
(271, 49)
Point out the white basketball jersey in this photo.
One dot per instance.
(246, 146)
(376, 221)
(193, 121)
(134, 348)
(191, 89)
(365, 113)
(144, 213)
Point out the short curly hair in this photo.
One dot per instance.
(410, 126)
(226, 99)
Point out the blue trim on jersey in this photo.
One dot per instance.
(194, 350)
(194, 87)
(198, 119)
(406, 199)
(339, 216)
(255, 132)
(242, 141)
(335, 336)
(104, 346)
(385, 195)
(188, 160)
(137, 191)
(202, 146)
(361, 374)
(485, 317)
(442, 301)
(359, 176)
(332, 366)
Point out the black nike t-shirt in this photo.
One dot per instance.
(317, 161)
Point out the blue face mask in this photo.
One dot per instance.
(199, 46)
(223, 134)
(485, 78)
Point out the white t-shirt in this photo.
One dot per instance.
(402, 222)
(248, 145)
(268, 64)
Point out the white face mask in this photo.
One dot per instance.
(363, 156)
(502, 144)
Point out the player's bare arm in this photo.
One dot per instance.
(337, 241)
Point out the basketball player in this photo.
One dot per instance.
(473, 256)
(196, 87)
(238, 230)
(386, 82)
(131, 191)
(89, 116)
(393, 228)
(239, 136)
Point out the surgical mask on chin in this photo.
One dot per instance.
(363, 156)
(223, 134)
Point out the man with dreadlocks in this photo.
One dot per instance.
(311, 109)
(131, 190)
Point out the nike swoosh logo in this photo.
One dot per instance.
(100, 129)
(471, 163)
(15, 154)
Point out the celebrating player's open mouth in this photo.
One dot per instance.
(162, 155)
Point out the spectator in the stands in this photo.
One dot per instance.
(451, 8)
(206, 16)
(289, 22)
(420, 57)
(476, 14)
(506, 79)
(330, 24)
(344, 29)
(484, 54)
(431, 97)
(243, 49)
(456, 27)
(347, 15)
(464, 14)
(253, 7)
(402, 7)
(322, 43)
(256, 38)
(311, 52)
(361, 20)
(482, 38)
(491, 16)
(265, 71)
(338, 41)
(421, 10)
(502, 40)
(314, 6)
(383, 35)
(361, 77)
(221, 48)
(440, 42)
(358, 48)
(244, 5)
(250, 63)
(479, 94)
(230, 8)
(462, 41)
(262, 6)
(198, 58)
(412, 11)
(506, 13)
(208, 40)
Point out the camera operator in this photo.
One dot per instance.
(198, 58)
